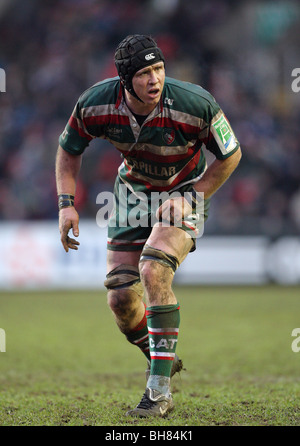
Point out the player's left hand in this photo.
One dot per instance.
(174, 210)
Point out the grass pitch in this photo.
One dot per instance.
(66, 364)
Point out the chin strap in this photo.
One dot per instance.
(131, 91)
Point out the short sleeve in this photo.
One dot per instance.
(222, 141)
(75, 137)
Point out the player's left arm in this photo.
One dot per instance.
(217, 174)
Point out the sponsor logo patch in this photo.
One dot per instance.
(225, 133)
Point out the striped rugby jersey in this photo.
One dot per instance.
(166, 151)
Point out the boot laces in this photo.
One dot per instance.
(145, 402)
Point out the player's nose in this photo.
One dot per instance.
(153, 77)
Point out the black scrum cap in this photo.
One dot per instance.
(134, 53)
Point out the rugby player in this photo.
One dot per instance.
(160, 126)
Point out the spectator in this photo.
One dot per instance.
(52, 50)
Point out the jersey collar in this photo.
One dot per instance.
(121, 101)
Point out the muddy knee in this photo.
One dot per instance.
(124, 294)
(157, 270)
(151, 261)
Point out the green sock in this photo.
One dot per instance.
(163, 327)
(139, 337)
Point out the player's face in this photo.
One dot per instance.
(148, 83)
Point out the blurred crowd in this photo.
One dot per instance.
(242, 52)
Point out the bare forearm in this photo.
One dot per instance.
(67, 170)
(217, 174)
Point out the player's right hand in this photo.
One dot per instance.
(68, 219)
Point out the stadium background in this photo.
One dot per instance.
(242, 52)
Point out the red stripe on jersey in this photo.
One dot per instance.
(165, 158)
(74, 125)
(167, 122)
(120, 95)
(190, 166)
(106, 119)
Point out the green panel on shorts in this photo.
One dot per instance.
(131, 222)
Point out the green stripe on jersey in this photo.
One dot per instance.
(166, 150)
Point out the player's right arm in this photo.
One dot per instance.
(67, 169)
